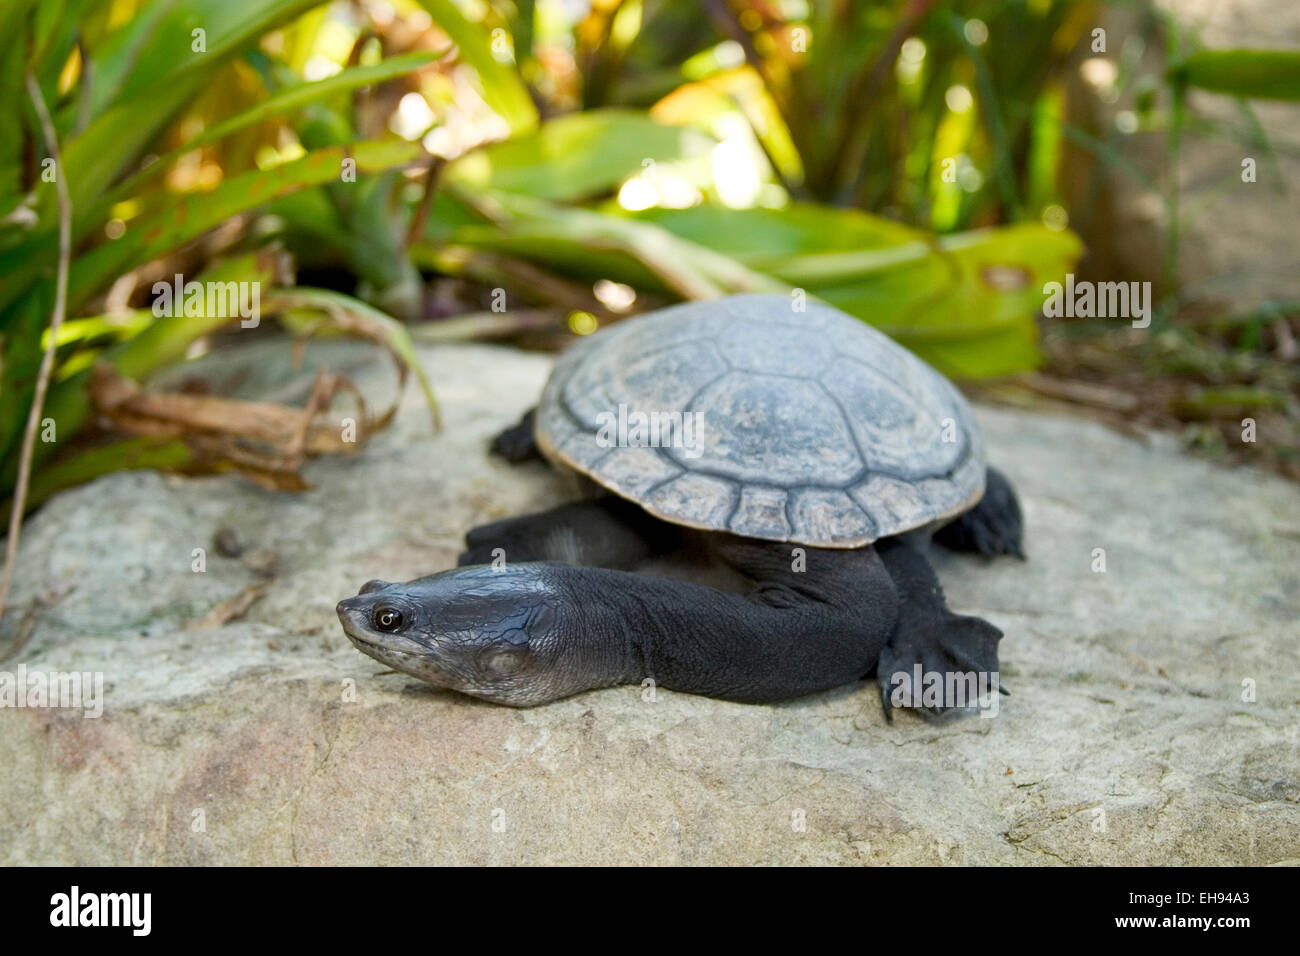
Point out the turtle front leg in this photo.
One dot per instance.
(607, 532)
(937, 662)
(527, 634)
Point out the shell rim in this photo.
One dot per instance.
(553, 454)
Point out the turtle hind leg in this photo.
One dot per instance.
(992, 527)
(608, 532)
(936, 662)
(518, 443)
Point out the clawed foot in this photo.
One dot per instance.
(939, 668)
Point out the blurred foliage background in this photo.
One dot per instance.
(529, 170)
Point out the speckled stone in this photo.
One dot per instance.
(1129, 738)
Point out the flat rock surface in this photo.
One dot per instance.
(1155, 715)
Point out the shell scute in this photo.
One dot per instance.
(810, 427)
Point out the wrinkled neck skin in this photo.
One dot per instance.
(753, 648)
(619, 627)
(598, 635)
(618, 619)
(527, 634)
(605, 625)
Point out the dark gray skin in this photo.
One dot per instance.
(535, 630)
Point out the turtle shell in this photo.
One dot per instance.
(746, 416)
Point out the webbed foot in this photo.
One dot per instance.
(936, 662)
(939, 667)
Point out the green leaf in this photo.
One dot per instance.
(160, 74)
(22, 324)
(1264, 74)
(503, 88)
(970, 306)
(311, 222)
(967, 303)
(13, 14)
(124, 51)
(13, 93)
(228, 28)
(576, 156)
(89, 463)
(196, 213)
(592, 244)
(54, 36)
(1044, 161)
(759, 236)
(165, 340)
(166, 74)
(282, 102)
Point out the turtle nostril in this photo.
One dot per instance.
(351, 607)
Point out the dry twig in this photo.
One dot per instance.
(56, 320)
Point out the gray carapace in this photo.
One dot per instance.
(811, 426)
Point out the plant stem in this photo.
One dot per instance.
(56, 320)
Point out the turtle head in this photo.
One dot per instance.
(495, 633)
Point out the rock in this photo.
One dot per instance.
(1155, 716)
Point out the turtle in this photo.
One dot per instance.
(794, 444)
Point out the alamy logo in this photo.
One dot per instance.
(1098, 300)
(102, 909)
(82, 690)
(635, 429)
(212, 299)
(957, 690)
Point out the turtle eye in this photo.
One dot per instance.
(387, 618)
